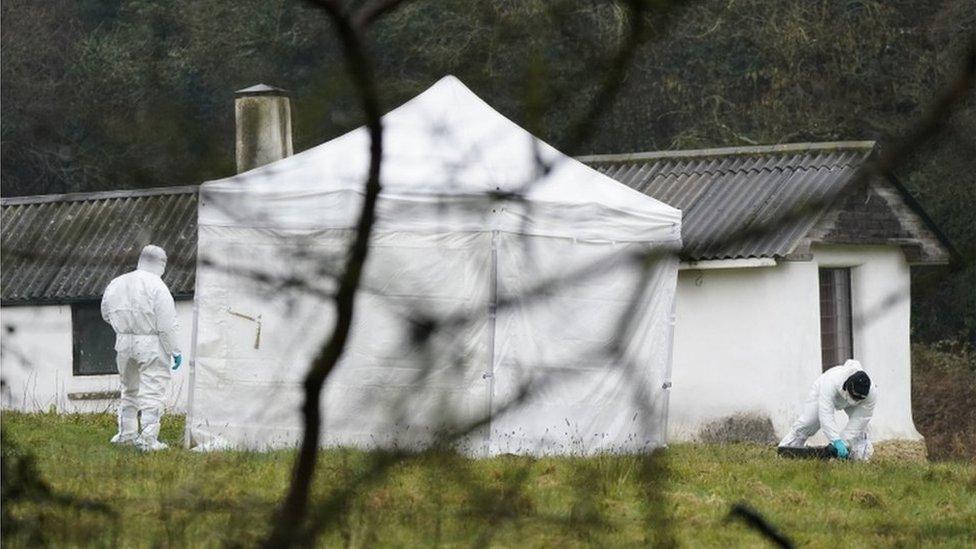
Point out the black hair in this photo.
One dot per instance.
(858, 385)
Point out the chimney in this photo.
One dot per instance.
(263, 115)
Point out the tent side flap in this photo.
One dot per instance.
(592, 349)
(582, 328)
(259, 333)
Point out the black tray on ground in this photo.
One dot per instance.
(808, 452)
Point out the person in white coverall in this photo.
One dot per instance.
(140, 309)
(846, 387)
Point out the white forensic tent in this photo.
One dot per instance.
(511, 294)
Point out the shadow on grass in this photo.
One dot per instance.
(21, 482)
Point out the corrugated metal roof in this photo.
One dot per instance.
(734, 192)
(62, 248)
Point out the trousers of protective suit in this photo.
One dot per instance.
(808, 424)
(145, 373)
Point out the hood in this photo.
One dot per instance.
(153, 260)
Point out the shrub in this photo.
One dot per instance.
(944, 398)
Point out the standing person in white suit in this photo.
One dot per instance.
(141, 310)
(846, 387)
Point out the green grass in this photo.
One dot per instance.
(178, 498)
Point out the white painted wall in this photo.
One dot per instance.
(37, 363)
(748, 340)
(881, 303)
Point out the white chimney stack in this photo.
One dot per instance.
(263, 115)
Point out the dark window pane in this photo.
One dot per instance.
(836, 332)
(93, 341)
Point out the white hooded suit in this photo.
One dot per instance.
(827, 396)
(141, 310)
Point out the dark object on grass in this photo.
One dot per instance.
(754, 520)
(807, 452)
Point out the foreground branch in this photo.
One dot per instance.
(754, 520)
(288, 528)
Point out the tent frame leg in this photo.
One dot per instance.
(489, 375)
(188, 422)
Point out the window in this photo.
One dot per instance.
(836, 335)
(92, 341)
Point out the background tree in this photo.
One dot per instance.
(129, 94)
(139, 88)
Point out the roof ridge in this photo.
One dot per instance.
(728, 171)
(97, 195)
(783, 148)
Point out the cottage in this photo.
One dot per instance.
(59, 253)
(759, 312)
(791, 266)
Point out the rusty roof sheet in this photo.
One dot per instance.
(63, 248)
(727, 196)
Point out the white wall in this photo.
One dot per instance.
(37, 362)
(748, 340)
(881, 306)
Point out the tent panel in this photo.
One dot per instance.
(596, 348)
(388, 389)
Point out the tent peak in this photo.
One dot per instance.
(450, 79)
(450, 84)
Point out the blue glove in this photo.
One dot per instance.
(177, 360)
(840, 447)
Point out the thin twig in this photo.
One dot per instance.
(753, 519)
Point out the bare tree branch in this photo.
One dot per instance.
(373, 11)
(882, 163)
(756, 521)
(638, 33)
(289, 525)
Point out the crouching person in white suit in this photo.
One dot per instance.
(846, 387)
(140, 309)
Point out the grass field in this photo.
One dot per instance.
(101, 495)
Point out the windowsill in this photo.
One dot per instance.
(95, 395)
